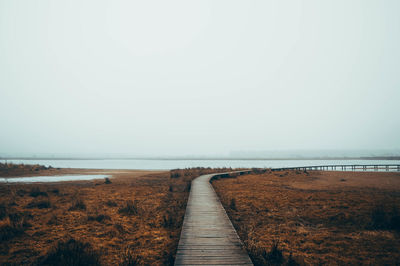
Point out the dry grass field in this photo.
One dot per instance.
(334, 218)
(135, 218)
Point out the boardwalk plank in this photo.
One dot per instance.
(208, 237)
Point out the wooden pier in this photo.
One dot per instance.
(208, 237)
(345, 167)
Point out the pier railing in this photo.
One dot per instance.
(345, 167)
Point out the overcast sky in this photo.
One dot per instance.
(198, 77)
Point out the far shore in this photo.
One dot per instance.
(39, 170)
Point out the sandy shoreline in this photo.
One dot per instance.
(32, 171)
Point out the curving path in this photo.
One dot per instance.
(208, 237)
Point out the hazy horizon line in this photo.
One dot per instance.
(288, 154)
(209, 158)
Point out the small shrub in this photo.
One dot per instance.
(55, 191)
(258, 170)
(107, 181)
(385, 218)
(21, 192)
(232, 205)
(274, 256)
(291, 261)
(40, 204)
(188, 187)
(99, 218)
(395, 219)
(4, 248)
(3, 211)
(169, 220)
(71, 252)
(378, 218)
(111, 203)
(129, 258)
(78, 204)
(8, 232)
(12, 203)
(169, 258)
(129, 208)
(16, 225)
(175, 173)
(19, 220)
(35, 192)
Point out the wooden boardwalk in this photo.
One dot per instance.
(345, 167)
(208, 237)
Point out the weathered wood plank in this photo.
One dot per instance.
(208, 237)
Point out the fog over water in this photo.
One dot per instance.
(144, 164)
(209, 78)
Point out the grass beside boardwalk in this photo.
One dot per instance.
(133, 218)
(334, 218)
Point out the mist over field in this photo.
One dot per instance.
(209, 78)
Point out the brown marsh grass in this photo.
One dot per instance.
(133, 218)
(335, 218)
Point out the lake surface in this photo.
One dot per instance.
(145, 164)
(56, 178)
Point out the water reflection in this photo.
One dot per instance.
(58, 178)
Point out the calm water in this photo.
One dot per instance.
(59, 178)
(172, 164)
